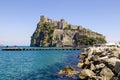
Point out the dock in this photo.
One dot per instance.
(35, 49)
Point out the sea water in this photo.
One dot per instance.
(35, 65)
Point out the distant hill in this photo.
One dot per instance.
(1, 44)
(61, 34)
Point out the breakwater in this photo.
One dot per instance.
(32, 49)
(96, 63)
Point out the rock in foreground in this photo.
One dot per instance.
(99, 63)
(68, 71)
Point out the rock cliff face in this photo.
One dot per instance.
(61, 34)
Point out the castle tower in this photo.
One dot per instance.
(43, 18)
(62, 24)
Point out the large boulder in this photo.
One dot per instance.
(117, 67)
(80, 64)
(112, 60)
(115, 54)
(92, 67)
(82, 56)
(106, 73)
(85, 73)
(100, 66)
(69, 71)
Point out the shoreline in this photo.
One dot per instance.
(96, 63)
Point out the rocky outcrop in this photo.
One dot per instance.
(99, 63)
(61, 34)
(68, 71)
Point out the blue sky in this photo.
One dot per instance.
(18, 18)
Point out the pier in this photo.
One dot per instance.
(35, 49)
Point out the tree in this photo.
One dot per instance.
(91, 41)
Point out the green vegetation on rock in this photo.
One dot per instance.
(91, 41)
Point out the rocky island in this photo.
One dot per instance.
(51, 33)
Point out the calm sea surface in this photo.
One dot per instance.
(35, 65)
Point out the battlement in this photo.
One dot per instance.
(43, 18)
(59, 24)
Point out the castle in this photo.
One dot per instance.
(62, 24)
(62, 34)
